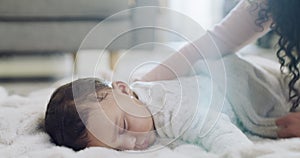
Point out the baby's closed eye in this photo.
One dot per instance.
(124, 127)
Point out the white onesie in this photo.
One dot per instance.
(189, 107)
(181, 109)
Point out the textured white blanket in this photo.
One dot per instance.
(21, 135)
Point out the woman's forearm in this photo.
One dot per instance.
(176, 65)
(232, 33)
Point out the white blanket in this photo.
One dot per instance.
(21, 135)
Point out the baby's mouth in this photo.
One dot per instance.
(145, 143)
(142, 146)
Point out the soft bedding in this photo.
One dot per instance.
(22, 135)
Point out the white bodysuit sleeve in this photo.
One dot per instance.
(235, 31)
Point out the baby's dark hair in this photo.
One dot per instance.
(67, 112)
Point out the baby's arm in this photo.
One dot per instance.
(221, 135)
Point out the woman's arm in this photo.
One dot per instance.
(236, 30)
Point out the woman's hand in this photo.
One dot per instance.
(289, 125)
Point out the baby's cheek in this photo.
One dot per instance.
(141, 125)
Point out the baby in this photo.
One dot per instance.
(84, 113)
(91, 112)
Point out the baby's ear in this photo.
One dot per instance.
(121, 87)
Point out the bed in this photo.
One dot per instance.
(22, 134)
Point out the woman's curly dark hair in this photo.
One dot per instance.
(285, 15)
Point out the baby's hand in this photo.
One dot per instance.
(289, 125)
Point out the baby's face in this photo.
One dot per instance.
(121, 121)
